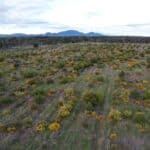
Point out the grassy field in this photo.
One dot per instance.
(85, 96)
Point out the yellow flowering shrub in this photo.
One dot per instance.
(145, 82)
(123, 84)
(50, 93)
(65, 107)
(19, 93)
(132, 63)
(114, 115)
(124, 95)
(139, 86)
(63, 112)
(2, 127)
(12, 67)
(6, 112)
(11, 129)
(69, 104)
(41, 126)
(60, 102)
(98, 117)
(127, 113)
(113, 136)
(30, 81)
(69, 92)
(90, 113)
(54, 126)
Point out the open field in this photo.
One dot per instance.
(78, 96)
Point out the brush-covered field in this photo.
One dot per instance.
(85, 96)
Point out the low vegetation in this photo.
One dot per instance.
(75, 96)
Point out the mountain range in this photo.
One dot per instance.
(63, 33)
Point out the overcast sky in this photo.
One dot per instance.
(115, 17)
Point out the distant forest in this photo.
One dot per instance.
(37, 41)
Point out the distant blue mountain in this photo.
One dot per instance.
(73, 33)
(94, 34)
(63, 33)
(70, 33)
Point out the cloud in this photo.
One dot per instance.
(22, 11)
(107, 16)
(138, 25)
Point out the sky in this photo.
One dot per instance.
(110, 17)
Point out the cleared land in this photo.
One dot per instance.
(81, 96)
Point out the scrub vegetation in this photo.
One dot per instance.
(75, 96)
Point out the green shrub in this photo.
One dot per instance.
(139, 117)
(122, 75)
(27, 122)
(6, 100)
(2, 73)
(81, 66)
(146, 95)
(135, 94)
(66, 79)
(40, 91)
(93, 97)
(39, 99)
(148, 62)
(60, 64)
(2, 127)
(28, 73)
(35, 45)
(127, 113)
(2, 58)
(100, 78)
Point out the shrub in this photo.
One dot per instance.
(124, 95)
(40, 91)
(63, 112)
(29, 73)
(93, 97)
(41, 126)
(148, 62)
(54, 126)
(113, 136)
(50, 92)
(60, 64)
(2, 73)
(34, 106)
(135, 94)
(64, 108)
(27, 122)
(6, 100)
(114, 115)
(65, 79)
(2, 59)
(6, 112)
(2, 127)
(81, 66)
(127, 113)
(39, 99)
(60, 102)
(69, 92)
(100, 78)
(35, 45)
(122, 75)
(11, 129)
(146, 95)
(39, 95)
(31, 81)
(139, 117)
